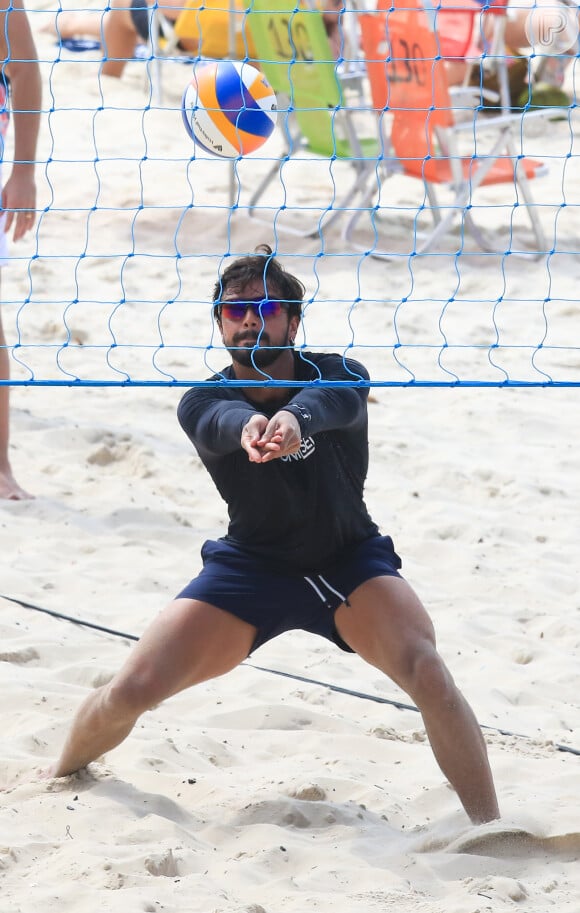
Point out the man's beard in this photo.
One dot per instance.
(255, 356)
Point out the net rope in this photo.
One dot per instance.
(112, 288)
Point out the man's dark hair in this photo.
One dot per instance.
(262, 265)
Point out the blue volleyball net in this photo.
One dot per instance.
(434, 223)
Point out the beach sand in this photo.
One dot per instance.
(258, 792)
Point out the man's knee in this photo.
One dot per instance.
(119, 29)
(429, 679)
(127, 697)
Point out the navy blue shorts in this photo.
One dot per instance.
(140, 17)
(275, 601)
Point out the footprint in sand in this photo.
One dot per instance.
(19, 657)
(310, 793)
(164, 864)
(518, 843)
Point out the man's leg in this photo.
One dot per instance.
(114, 28)
(189, 642)
(9, 488)
(119, 38)
(386, 625)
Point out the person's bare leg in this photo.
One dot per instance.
(9, 487)
(189, 642)
(119, 39)
(115, 30)
(386, 625)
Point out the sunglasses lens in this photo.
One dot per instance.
(233, 310)
(270, 308)
(236, 310)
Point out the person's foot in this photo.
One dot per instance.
(71, 24)
(10, 490)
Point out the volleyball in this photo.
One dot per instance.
(229, 108)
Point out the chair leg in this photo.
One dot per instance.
(357, 189)
(478, 234)
(505, 141)
(443, 223)
(523, 182)
(160, 28)
(433, 202)
(156, 66)
(329, 216)
(443, 226)
(258, 192)
(369, 191)
(262, 186)
(290, 141)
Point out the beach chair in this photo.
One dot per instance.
(217, 26)
(318, 107)
(474, 32)
(409, 84)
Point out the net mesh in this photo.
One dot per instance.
(113, 286)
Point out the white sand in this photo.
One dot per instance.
(256, 792)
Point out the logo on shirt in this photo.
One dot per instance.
(307, 448)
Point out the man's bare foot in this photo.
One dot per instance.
(10, 490)
(83, 774)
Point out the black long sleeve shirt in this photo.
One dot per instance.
(300, 511)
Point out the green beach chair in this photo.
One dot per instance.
(320, 107)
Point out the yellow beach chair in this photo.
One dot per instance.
(212, 29)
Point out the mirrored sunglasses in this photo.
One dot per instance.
(262, 307)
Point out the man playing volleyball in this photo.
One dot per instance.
(301, 550)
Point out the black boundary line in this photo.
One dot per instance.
(299, 678)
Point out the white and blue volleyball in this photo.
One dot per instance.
(229, 108)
